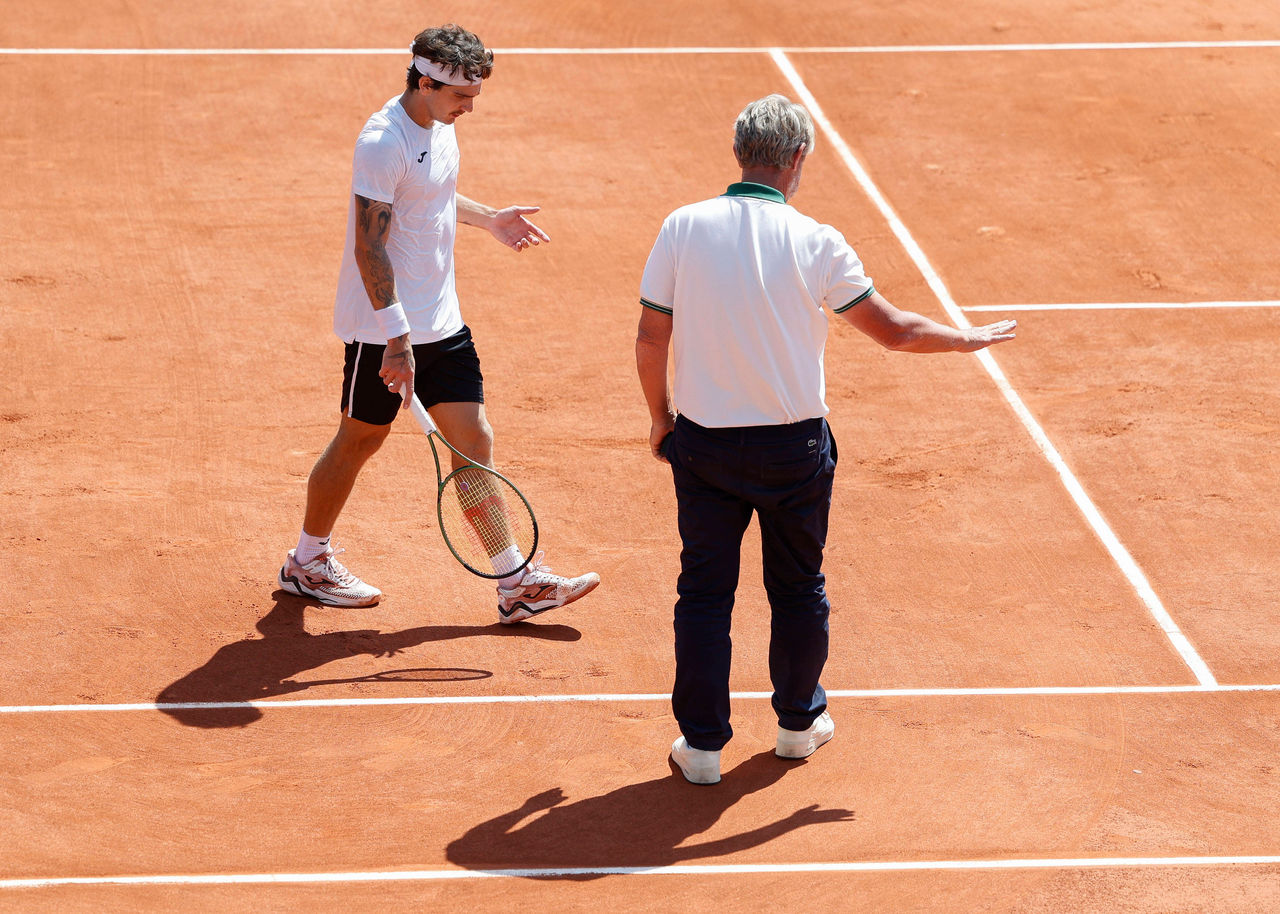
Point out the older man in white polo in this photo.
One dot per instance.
(736, 286)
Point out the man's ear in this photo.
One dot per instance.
(798, 155)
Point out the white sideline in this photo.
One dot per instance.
(1118, 552)
(737, 869)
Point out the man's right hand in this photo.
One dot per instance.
(397, 368)
(658, 433)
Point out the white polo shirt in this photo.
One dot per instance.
(745, 278)
(416, 171)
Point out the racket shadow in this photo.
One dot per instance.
(260, 668)
(646, 824)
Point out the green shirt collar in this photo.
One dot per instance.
(751, 189)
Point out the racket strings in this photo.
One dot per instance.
(486, 521)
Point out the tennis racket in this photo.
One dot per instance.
(486, 522)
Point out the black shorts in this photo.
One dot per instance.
(447, 371)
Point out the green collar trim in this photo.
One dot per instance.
(751, 189)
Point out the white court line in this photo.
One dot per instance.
(845, 49)
(1122, 306)
(1118, 552)
(1009, 691)
(1036, 46)
(734, 869)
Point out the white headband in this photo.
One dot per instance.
(442, 74)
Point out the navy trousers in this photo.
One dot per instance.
(783, 474)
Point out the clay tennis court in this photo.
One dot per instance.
(1055, 664)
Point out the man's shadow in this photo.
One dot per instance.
(258, 668)
(641, 825)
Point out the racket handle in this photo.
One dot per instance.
(419, 412)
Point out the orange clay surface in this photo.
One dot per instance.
(170, 253)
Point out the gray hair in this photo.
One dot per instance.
(769, 131)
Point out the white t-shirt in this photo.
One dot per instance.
(745, 278)
(416, 171)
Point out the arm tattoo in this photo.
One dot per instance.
(373, 215)
(373, 223)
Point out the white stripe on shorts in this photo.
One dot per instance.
(355, 373)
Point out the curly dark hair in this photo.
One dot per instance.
(453, 47)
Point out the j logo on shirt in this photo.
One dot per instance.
(423, 156)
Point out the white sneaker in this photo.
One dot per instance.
(697, 765)
(803, 743)
(324, 579)
(540, 590)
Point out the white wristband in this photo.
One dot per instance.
(392, 321)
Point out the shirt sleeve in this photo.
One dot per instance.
(377, 167)
(658, 285)
(847, 284)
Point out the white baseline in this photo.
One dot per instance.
(739, 869)
(620, 698)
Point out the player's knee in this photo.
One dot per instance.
(360, 440)
(478, 444)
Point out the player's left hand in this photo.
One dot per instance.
(976, 338)
(515, 231)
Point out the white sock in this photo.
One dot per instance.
(309, 547)
(508, 558)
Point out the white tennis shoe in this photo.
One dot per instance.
(804, 743)
(699, 766)
(325, 579)
(540, 590)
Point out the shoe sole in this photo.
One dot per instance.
(294, 586)
(701, 781)
(507, 618)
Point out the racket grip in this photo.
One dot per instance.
(419, 412)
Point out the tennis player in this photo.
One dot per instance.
(737, 285)
(397, 311)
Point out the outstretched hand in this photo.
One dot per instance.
(515, 231)
(987, 335)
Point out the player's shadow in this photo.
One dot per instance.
(258, 668)
(641, 825)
